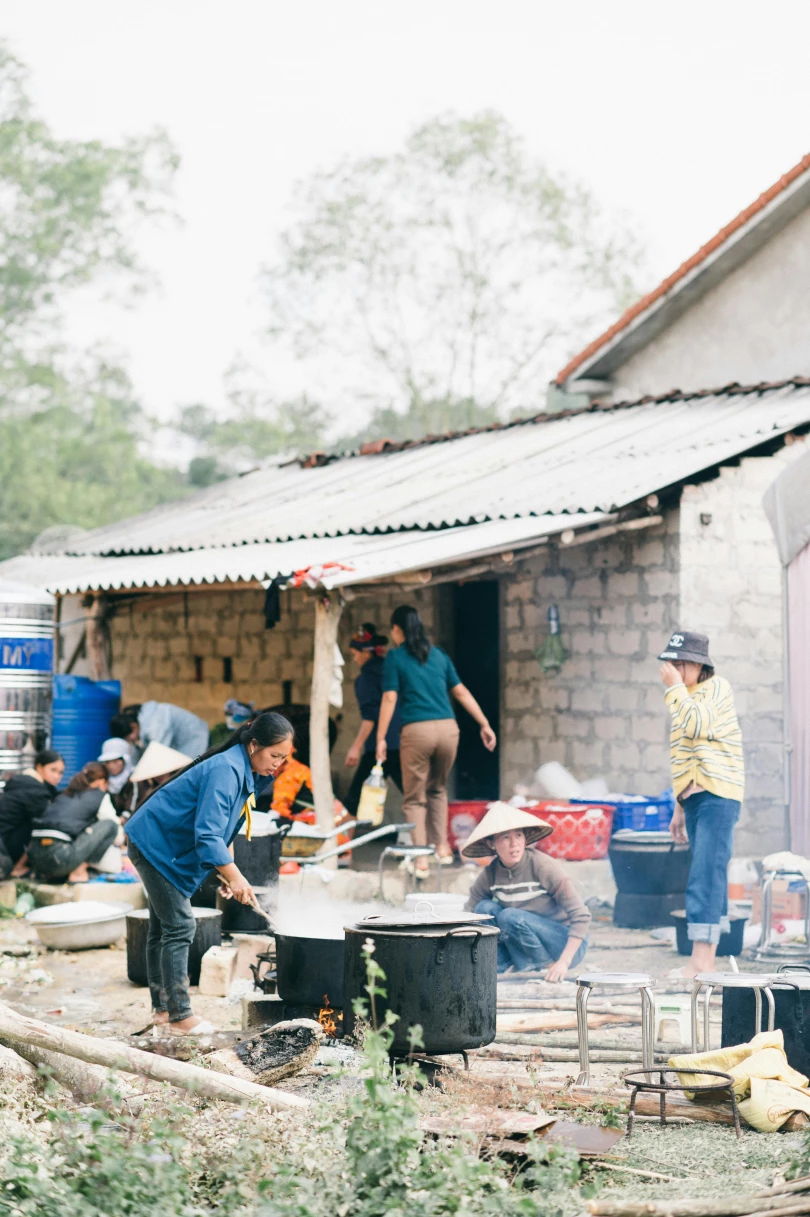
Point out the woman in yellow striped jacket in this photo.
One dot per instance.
(708, 777)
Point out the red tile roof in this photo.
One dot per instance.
(684, 269)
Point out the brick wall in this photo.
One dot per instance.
(155, 643)
(602, 713)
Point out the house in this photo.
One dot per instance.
(737, 310)
(633, 518)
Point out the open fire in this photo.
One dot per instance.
(328, 1018)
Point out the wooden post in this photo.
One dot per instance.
(96, 640)
(327, 619)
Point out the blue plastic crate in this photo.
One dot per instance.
(638, 812)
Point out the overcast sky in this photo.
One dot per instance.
(676, 114)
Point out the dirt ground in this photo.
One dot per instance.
(89, 991)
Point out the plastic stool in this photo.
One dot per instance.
(675, 1009)
(730, 980)
(630, 980)
(407, 853)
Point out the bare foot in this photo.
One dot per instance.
(160, 1016)
(187, 1024)
(80, 875)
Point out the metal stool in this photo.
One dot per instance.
(787, 950)
(730, 980)
(407, 853)
(629, 980)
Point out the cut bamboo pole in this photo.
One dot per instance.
(560, 1021)
(781, 1189)
(114, 1055)
(736, 1206)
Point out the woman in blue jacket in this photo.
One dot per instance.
(182, 832)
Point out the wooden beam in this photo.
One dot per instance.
(327, 618)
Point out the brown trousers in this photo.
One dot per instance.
(427, 751)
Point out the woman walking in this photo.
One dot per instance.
(182, 832)
(708, 779)
(419, 678)
(368, 649)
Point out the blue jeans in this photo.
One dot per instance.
(171, 932)
(528, 940)
(710, 824)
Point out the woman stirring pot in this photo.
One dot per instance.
(420, 678)
(182, 832)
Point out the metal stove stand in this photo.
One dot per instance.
(644, 1080)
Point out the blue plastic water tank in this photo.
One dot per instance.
(82, 709)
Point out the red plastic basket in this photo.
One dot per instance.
(462, 818)
(580, 833)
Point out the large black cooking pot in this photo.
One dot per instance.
(309, 970)
(258, 859)
(651, 873)
(208, 934)
(238, 918)
(443, 977)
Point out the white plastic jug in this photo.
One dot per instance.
(372, 797)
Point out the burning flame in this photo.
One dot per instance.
(327, 1018)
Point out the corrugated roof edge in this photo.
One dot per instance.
(385, 447)
(719, 239)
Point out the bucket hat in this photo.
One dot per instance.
(115, 750)
(502, 817)
(687, 648)
(158, 760)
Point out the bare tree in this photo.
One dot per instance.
(457, 270)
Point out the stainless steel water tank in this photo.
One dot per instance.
(26, 673)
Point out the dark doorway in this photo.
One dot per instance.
(476, 656)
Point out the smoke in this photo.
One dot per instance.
(319, 917)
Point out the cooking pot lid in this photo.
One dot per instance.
(425, 916)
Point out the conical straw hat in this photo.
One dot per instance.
(501, 817)
(158, 760)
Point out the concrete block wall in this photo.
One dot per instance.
(731, 589)
(602, 714)
(155, 642)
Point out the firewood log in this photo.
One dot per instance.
(16, 1027)
(277, 1053)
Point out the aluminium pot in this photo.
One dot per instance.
(310, 970)
(443, 977)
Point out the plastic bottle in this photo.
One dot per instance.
(372, 797)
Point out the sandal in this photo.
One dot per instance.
(203, 1028)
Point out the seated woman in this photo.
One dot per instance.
(76, 829)
(25, 796)
(541, 916)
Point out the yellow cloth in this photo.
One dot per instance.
(250, 804)
(768, 1063)
(771, 1103)
(705, 741)
(726, 1059)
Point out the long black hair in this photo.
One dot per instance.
(417, 642)
(264, 730)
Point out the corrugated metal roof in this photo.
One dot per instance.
(366, 557)
(595, 460)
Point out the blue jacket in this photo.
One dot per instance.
(185, 828)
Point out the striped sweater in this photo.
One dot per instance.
(705, 739)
